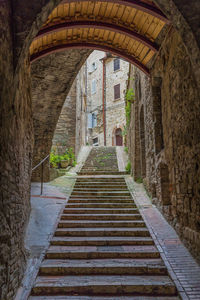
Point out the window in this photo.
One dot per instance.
(93, 89)
(94, 120)
(95, 141)
(89, 120)
(116, 64)
(117, 91)
(93, 67)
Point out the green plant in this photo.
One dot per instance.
(130, 95)
(56, 159)
(128, 113)
(139, 180)
(128, 167)
(126, 149)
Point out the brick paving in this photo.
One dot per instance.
(182, 267)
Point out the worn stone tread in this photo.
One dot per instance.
(101, 216)
(88, 224)
(93, 187)
(102, 240)
(101, 205)
(102, 298)
(101, 211)
(120, 285)
(103, 231)
(101, 254)
(81, 200)
(102, 267)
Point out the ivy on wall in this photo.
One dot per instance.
(130, 97)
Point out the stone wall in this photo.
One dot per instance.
(169, 152)
(15, 159)
(65, 132)
(52, 78)
(115, 109)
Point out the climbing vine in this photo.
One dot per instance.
(130, 97)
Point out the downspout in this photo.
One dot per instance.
(103, 100)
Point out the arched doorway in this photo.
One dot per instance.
(118, 137)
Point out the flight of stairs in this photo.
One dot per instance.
(101, 161)
(102, 249)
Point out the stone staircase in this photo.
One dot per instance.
(101, 161)
(102, 249)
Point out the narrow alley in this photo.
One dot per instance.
(102, 248)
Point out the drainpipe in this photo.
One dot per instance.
(103, 99)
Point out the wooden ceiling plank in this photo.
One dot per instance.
(143, 6)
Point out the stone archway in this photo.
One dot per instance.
(20, 21)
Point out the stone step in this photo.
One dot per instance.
(104, 285)
(100, 205)
(101, 241)
(101, 193)
(100, 211)
(86, 216)
(75, 200)
(102, 298)
(88, 224)
(82, 252)
(126, 266)
(100, 178)
(99, 188)
(102, 197)
(100, 185)
(104, 231)
(102, 172)
(108, 180)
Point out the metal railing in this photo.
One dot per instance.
(41, 163)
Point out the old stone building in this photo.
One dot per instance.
(106, 85)
(43, 46)
(107, 77)
(96, 102)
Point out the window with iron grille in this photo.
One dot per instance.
(116, 64)
(116, 91)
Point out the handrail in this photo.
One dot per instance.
(41, 162)
(42, 171)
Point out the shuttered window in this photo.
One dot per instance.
(117, 91)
